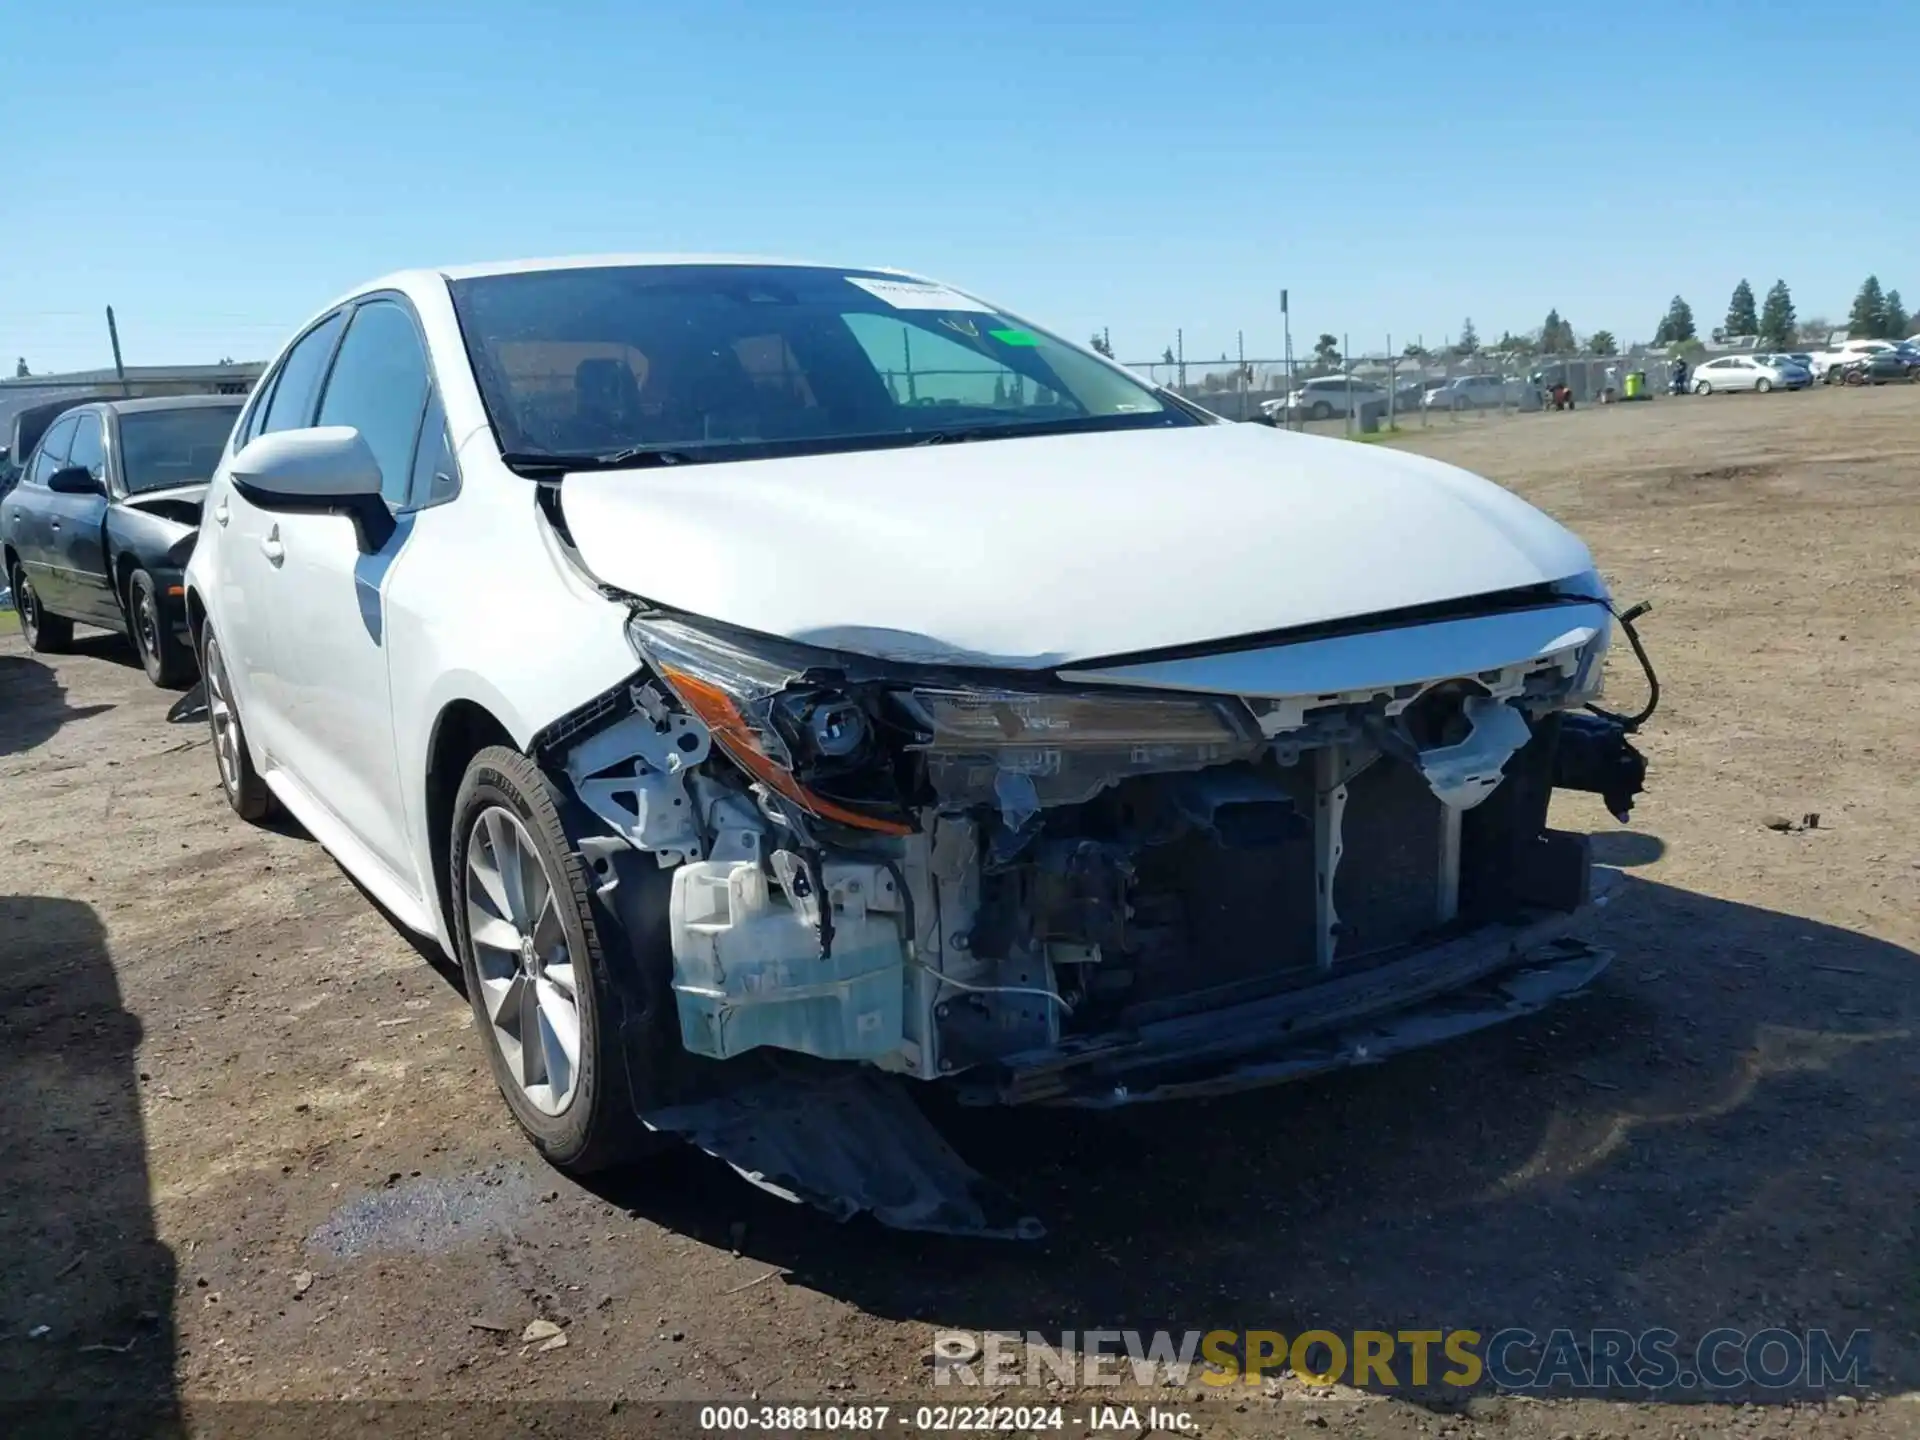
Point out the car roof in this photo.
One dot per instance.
(167, 402)
(427, 277)
(588, 262)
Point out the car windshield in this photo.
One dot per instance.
(159, 448)
(700, 362)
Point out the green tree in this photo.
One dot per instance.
(1676, 325)
(1326, 351)
(1741, 319)
(1469, 341)
(1102, 345)
(1867, 315)
(1556, 335)
(1893, 317)
(1166, 356)
(1601, 342)
(1777, 329)
(1415, 352)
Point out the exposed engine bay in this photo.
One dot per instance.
(1097, 886)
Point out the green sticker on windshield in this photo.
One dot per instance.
(1015, 337)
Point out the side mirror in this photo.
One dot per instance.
(74, 480)
(326, 470)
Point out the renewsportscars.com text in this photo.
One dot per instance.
(1510, 1358)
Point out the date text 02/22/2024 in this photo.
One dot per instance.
(940, 1419)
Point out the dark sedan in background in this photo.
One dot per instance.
(99, 527)
(1878, 368)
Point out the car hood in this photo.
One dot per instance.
(1035, 552)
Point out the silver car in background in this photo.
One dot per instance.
(1482, 392)
(1750, 372)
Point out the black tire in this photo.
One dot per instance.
(45, 634)
(169, 664)
(1321, 411)
(1702, 387)
(1764, 385)
(246, 792)
(596, 1127)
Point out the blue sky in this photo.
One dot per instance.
(219, 172)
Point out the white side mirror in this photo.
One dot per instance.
(327, 470)
(327, 462)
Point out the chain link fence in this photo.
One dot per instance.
(1362, 392)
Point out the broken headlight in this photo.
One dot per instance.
(1023, 750)
(794, 736)
(844, 751)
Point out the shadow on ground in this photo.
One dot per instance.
(1720, 1134)
(33, 704)
(86, 1286)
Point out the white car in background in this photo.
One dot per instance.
(774, 683)
(1749, 372)
(1323, 397)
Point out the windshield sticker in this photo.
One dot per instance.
(961, 327)
(1015, 337)
(913, 295)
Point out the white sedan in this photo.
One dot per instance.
(729, 662)
(1749, 372)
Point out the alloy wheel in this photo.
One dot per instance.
(147, 627)
(27, 605)
(528, 981)
(220, 716)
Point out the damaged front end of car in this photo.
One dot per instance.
(1163, 876)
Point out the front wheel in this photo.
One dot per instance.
(1701, 387)
(169, 664)
(1321, 411)
(536, 975)
(1764, 386)
(45, 634)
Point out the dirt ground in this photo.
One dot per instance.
(249, 1149)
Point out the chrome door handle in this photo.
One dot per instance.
(271, 547)
(221, 514)
(54, 523)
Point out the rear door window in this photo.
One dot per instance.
(290, 407)
(53, 449)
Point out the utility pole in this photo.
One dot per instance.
(1240, 375)
(1180, 359)
(1346, 368)
(113, 334)
(1286, 329)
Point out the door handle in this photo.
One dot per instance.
(221, 514)
(271, 547)
(54, 523)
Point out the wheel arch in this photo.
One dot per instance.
(196, 615)
(462, 729)
(121, 566)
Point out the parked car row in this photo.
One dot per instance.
(729, 663)
(1325, 396)
(1884, 364)
(102, 518)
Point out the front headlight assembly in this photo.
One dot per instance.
(865, 749)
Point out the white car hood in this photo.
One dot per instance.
(1032, 553)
